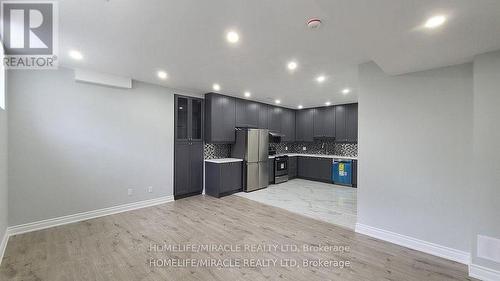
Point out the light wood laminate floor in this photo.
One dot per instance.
(118, 247)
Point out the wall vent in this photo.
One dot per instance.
(488, 248)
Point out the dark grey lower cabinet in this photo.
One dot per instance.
(292, 167)
(354, 173)
(314, 168)
(323, 171)
(271, 170)
(223, 179)
(188, 179)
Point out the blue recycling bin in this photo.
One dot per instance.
(342, 172)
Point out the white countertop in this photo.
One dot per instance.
(315, 155)
(224, 160)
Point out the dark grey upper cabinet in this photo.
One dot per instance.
(275, 116)
(247, 113)
(340, 123)
(288, 125)
(241, 113)
(304, 125)
(324, 122)
(219, 118)
(264, 116)
(346, 123)
(188, 119)
(352, 122)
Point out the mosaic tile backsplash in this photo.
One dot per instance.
(214, 151)
(318, 147)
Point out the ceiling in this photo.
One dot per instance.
(187, 39)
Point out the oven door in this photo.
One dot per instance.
(281, 166)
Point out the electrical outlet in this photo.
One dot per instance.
(286, 147)
(130, 191)
(304, 148)
(150, 189)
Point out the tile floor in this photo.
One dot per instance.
(327, 202)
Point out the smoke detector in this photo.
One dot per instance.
(314, 23)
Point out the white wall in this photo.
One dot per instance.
(415, 144)
(3, 172)
(76, 147)
(486, 173)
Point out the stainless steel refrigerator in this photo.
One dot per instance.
(252, 145)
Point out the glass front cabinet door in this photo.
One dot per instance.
(189, 119)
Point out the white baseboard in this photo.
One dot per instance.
(33, 226)
(483, 273)
(3, 245)
(415, 244)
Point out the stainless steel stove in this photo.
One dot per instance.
(280, 169)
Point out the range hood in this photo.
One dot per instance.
(275, 137)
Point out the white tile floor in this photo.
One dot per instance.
(331, 203)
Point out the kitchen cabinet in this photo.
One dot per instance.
(305, 125)
(304, 167)
(223, 114)
(223, 178)
(324, 122)
(340, 123)
(188, 146)
(247, 113)
(264, 116)
(220, 118)
(288, 125)
(275, 116)
(270, 166)
(346, 123)
(188, 119)
(323, 169)
(355, 173)
(292, 167)
(314, 168)
(352, 122)
(188, 174)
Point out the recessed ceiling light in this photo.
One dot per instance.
(346, 91)
(74, 54)
(277, 101)
(162, 74)
(247, 94)
(232, 37)
(435, 21)
(321, 79)
(328, 103)
(216, 87)
(292, 65)
(300, 107)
